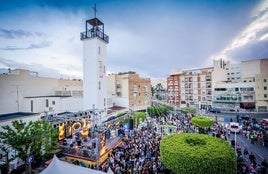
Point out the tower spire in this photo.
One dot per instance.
(95, 10)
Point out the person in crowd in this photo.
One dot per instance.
(245, 152)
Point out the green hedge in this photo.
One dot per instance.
(189, 153)
(201, 121)
(187, 110)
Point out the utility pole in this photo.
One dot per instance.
(17, 101)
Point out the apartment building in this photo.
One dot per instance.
(129, 90)
(234, 96)
(24, 91)
(190, 88)
(245, 86)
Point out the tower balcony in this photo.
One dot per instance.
(94, 32)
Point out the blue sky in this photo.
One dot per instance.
(150, 37)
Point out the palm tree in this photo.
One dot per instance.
(156, 90)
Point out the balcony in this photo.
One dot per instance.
(94, 32)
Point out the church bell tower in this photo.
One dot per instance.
(94, 69)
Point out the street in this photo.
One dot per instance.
(259, 151)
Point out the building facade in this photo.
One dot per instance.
(231, 87)
(245, 86)
(190, 88)
(129, 90)
(24, 91)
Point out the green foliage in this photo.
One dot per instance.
(121, 114)
(156, 89)
(136, 117)
(187, 110)
(159, 110)
(202, 121)
(139, 116)
(37, 138)
(197, 153)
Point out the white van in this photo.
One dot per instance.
(234, 127)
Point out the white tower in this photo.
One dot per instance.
(94, 71)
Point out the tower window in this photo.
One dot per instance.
(99, 85)
(99, 50)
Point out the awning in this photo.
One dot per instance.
(248, 105)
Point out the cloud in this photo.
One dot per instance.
(252, 42)
(43, 44)
(46, 71)
(15, 34)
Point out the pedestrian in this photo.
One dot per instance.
(264, 166)
(252, 158)
(245, 152)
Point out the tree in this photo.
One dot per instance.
(201, 121)
(36, 139)
(156, 90)
(159, 110)
(187, 110)
(197, 153)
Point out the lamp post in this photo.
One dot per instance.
(235, 144)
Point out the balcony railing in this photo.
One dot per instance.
(94, 32)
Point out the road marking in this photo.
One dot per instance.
(260, 156)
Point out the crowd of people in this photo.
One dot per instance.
(139, 152)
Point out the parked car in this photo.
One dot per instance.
(264, 122)
(234, 127)
(214, 110)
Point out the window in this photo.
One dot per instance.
(31, 105)
(134, 96)
(99, 50)
(53, 102)
(265, 88)
(47, 105)
(265, 95)
(264, 80)
(99, 85)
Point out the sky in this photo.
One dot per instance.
(149, 37)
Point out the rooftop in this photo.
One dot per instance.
(15, 115)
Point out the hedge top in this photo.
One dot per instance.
(202, 121)
(196, 146)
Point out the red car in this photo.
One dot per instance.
(264, 122)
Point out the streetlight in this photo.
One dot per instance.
(235, 144)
